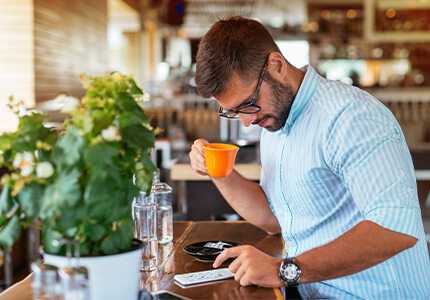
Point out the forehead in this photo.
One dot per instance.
(236, 92)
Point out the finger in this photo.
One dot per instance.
(198, 155)
(244, 281)
(198, 161)
(235, 265)
(199, 166)
(201, 159)
(239, 274)
(202, 173)
(199, 145)
(201, 142)
(226, 254)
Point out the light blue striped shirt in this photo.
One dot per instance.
(340, 159)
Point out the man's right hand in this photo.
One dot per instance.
(198, 157)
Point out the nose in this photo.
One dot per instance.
(247, 119)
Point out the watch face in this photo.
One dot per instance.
(290, 272)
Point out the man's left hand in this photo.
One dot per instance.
(251, 266)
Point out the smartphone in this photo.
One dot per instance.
(167, 295)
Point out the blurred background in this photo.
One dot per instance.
(382, 46)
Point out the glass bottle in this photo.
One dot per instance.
(162, 194)
(146, 227)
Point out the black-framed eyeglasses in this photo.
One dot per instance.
(248, 108)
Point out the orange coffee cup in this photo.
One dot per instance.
(220, 158)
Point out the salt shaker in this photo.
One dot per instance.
(75, 283)
(45, 281)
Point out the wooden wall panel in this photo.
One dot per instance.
(45, 45)
(70, 37)
(16, 58)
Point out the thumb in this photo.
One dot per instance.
(200, 141)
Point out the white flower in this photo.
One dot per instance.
(70, 103)
(27, 170)
(27, 164)
(146, 97)
(17, 160)
(28, 157)
(111, 134)
(87, 125)
(44, 170)
(24, 162)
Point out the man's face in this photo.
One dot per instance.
(275, 99)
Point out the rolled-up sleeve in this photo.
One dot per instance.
(367, 149)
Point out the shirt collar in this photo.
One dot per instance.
(304, 95)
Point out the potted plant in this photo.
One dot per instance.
(77, 185)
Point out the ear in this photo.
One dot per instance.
(277, 66)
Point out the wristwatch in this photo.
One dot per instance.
(290, 272)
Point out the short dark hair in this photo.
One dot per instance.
(232, 45)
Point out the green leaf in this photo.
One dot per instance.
(128, 118)
(104, 179)
(70, 232)
(31, 123)
(10, 232)
(3, 220)
(5, 141)
(124, 235)
(101, 156)
(120, 239)
(119, 209)
(98, 196)
(95, 231)
(135, 90)
(138, 137)
(70, 218)
(101, 119)
(71, 146)
(51, 239)
(108, 245)
(6, 201)
(27, 142)
(44, 155)
(144, 172)
(127, 103)
(63, 194)
(85, 251)
(31, 197)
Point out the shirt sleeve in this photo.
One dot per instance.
(366, 148)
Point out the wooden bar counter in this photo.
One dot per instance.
(179, 262)
(173, 260)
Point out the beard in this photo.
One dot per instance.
(281, 101)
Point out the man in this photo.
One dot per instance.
(337, 178)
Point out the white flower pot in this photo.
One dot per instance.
(110, 277)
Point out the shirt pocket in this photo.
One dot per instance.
(314, 194)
